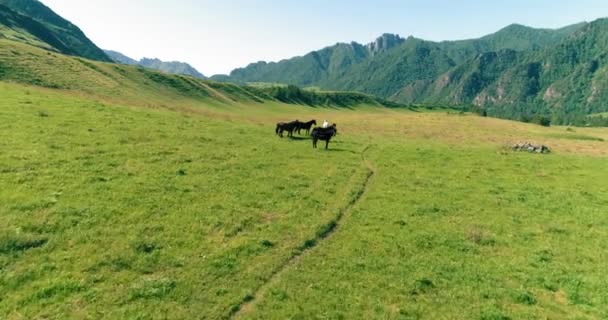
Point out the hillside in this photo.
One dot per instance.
(41, 24)
(26, 64)
(174, 67)
(568, 81)
(17, 27)
(451, 73)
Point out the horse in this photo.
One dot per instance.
(324, 134)
(290, 127)
(306, 126)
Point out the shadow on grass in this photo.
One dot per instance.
(335, 150)
(300, 138)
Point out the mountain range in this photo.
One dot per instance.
(174, 67)
(517, 72)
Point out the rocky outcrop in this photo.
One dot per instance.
(384, 43)
(531, 147)
(551, 94)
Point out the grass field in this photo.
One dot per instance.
(114, 207)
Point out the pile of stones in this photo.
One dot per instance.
(531, 147)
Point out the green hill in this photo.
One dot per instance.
(17, 27)
(32, 21)
(25, 64)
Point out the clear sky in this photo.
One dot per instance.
(216, 36)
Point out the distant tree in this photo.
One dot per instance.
(545, 122)
(541, 120)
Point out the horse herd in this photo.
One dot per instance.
(318, 133)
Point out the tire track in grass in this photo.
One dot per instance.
(248, 303)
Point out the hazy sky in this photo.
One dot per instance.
(216, 36)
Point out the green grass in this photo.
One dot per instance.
(461, 234)
(129, 194)
(575, 137)
(145, 213)
(148, 210)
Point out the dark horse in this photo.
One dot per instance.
(306, 126)
(324, 134)
(290, 127)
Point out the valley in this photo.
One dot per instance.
(131, 193)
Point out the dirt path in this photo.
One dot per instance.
(247, 305)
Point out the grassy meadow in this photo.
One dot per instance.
(119, 208)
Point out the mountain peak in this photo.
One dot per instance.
(517, 26)
(383, 43)
(516, 29)
(150, 60)
(174, 67)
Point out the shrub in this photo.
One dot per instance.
(541, 120)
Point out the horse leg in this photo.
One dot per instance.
(327, 144)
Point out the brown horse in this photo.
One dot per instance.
(290, 127)
(306, 126)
